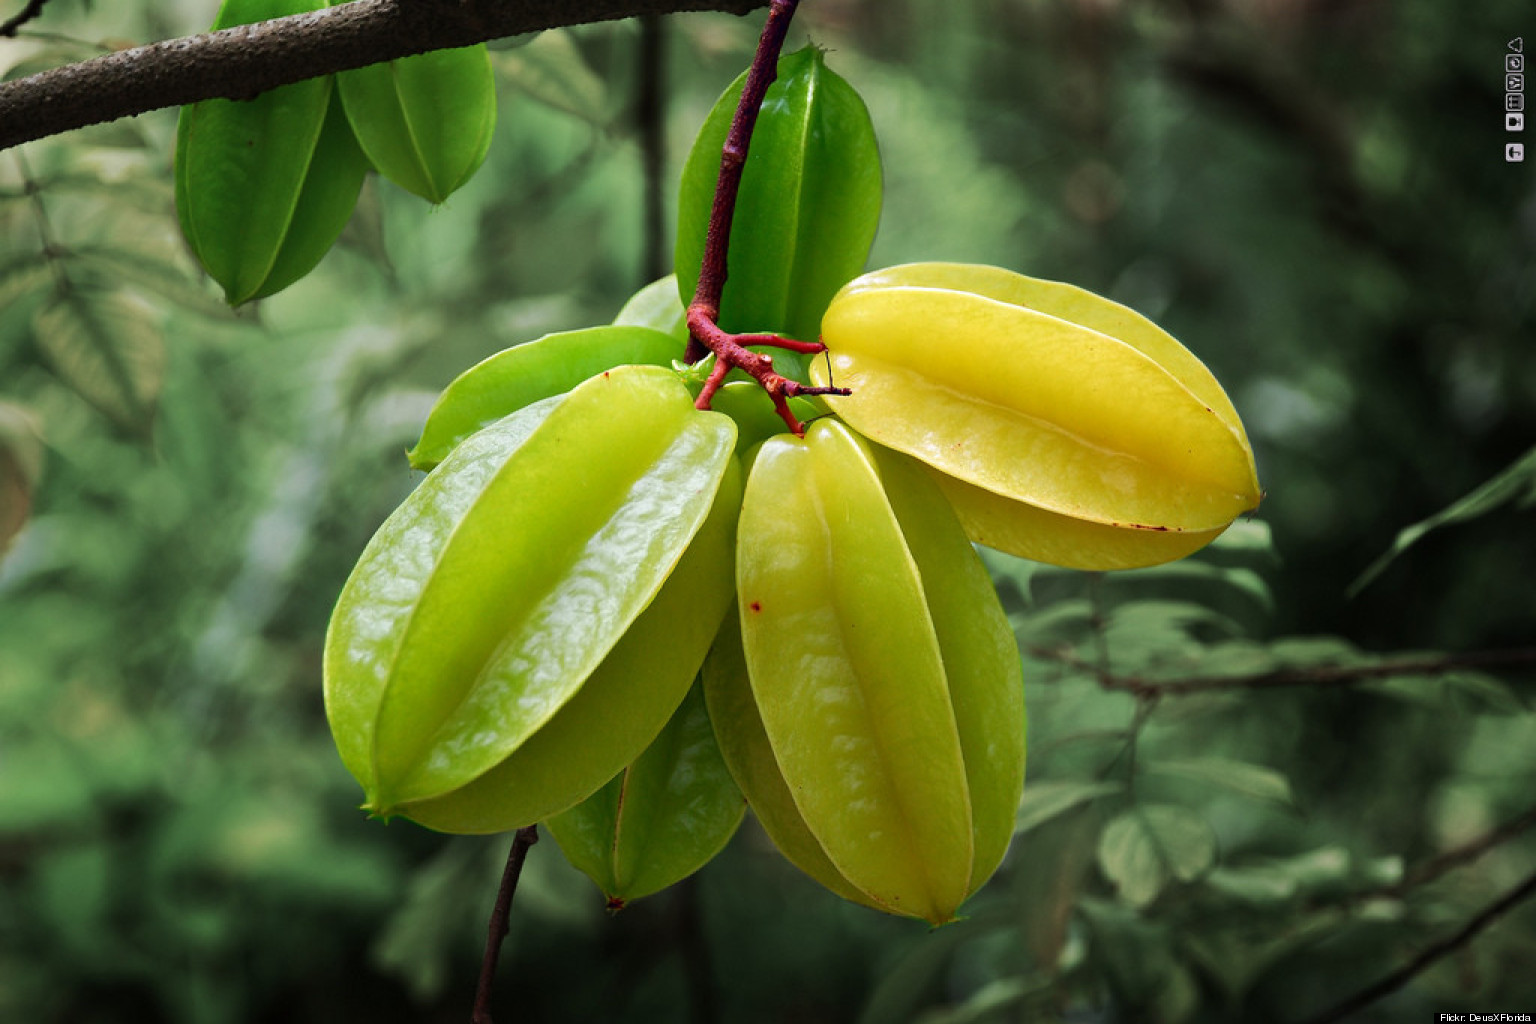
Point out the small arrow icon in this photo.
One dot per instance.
(1517, 44)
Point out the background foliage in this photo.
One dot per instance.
(1310, 195)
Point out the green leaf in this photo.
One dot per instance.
(1250, 780)
(1044, 801)
(1146, 846)
(108, 348)
(808, 206)
(162, 277)
(552, 70)
(22, 276)
(1515, 485)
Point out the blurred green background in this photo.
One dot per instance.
(1311, 195)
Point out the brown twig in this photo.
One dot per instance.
(1400, 977)
(32, 10)
(705, 334)
(239, 63)
(524, 838)
(1316, 675)
(1423, 874)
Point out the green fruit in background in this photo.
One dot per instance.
(660, 819)
(657, 306)
(883, 673)
(487, 600)
(425, 121)
(513, 378)
(265, 186)
(1062, 426)
(808, 207)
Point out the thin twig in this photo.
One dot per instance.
(242, 62)
(1315, 675)
(1429, 870)
(524, 838)
(32, 10)
(1400, 977)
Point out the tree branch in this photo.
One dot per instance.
(1400, 977)
(239, 63)
(1318, 675)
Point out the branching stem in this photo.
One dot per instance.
(1430, 956)
(704, 332)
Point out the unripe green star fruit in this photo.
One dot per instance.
(660, 819)
(425, 121)
(657, 306)
(501, 384)
(1063, 427)
(265, 186)
(623, 703)
(883, 674)
(808, 207)
(508, 584)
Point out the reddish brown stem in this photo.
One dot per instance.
(704, 332)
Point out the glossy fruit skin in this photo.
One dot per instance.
(425, 121)
(622, 705)
(808, 207)
(1064, 427)
(491, 596)
(265, 186)
(883, 674)
(501, 384)
(661, 818)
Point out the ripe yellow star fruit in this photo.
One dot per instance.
(1062, 426)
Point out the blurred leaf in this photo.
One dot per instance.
(50, 793)
(990, 1002)
(72, 885)
(107, 348)
(551, 70)
(21, 463)
(417, 942)
(1516, 484)
(917, 973)
(1259, 883)
(159, 276)
(1142, 848)
(1138, 958)
(1247, 542)
(1250, 780)
(1046, 800)
(1484, 692)
(21, 275)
